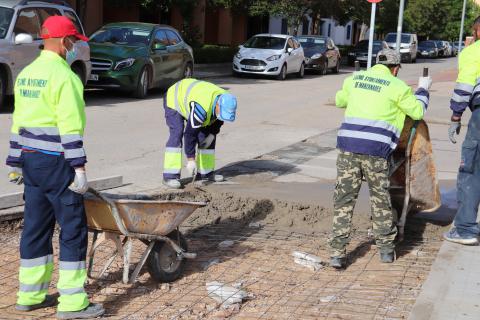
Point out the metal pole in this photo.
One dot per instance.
(460, 38)
(370, 41)
(400, 25)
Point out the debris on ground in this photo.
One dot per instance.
(226, 295)
(328, 299)
(226, 244)
(307, 260)
(210, 263)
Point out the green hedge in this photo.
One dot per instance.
(214, 54)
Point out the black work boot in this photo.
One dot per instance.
(387, 257)
(338, 262)
(49, 301)
(94, 310)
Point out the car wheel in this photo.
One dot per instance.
(188, 72)
(78, 70)
(283, 73)
(324, 69)
(142, 84)
(163, 264)
(301, 72)
(3, 89)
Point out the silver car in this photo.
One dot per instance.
(20, 42)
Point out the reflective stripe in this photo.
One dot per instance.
(187, 93)
(72, 265)
(50, 131)
(373, 123)
(423, 99)
(177, 104)
(458, 98)
(71, 290)
(74, 153)
(71, 138)
(39, 144)
(206, 151)
(172, 171)
(41, 261)
(464, 87)
(34, 287)
(14, 137)
(367, 136)
(16, 153)
(173, 150)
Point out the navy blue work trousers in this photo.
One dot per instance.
(48, 200)
(468, 181)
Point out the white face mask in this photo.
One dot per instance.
(71, 55)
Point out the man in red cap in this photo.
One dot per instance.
(46, 153)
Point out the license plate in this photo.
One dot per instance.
(93, 77)
(425, 52)
(253, 67)
(362, 58)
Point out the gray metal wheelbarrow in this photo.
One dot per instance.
(155, 223)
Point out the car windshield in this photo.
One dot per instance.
(427, 44)
(122, 36)
(313, 43)
(363, 45)
(392, 37)
(273, 43)
(5, 18)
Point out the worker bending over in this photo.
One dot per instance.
(376, 103)
(46, 152)
(195, 111)
(467, 95)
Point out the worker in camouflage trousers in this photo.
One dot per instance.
(376, 103)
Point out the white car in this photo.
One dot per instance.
(271, 55)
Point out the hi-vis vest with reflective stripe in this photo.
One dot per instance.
(49, 110)
(376, 105)
(184, 92)
(467, 89)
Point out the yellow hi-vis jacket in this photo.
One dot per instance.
(376, 104)
(49, 111)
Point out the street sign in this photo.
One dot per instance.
(374, 1)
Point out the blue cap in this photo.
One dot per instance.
(228, 107)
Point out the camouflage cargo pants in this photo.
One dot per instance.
(351, 167)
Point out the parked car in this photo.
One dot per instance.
(454, 49)
(270, 55)
(441, 48)
(428, 49)
(457, 47)
(408, 45)
(448, 49)
(360, 52)
(321, 54)
(20, 42)
(136, 57)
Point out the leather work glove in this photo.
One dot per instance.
(207, 142)
(80, 184)
(425, 83)
(454, 128)
(15, 175)
(192, 168)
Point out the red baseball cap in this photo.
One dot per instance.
(59, 27)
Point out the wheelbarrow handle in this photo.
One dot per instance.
(113, 209)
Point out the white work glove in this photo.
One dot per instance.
(207, 142)
(425, 83)
(80, 184)
(454, 128)
(192, 168)
(15, 175)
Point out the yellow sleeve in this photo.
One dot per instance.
(341, 99)
(70, 107)
(409, 104)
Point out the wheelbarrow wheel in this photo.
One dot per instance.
(163, 264)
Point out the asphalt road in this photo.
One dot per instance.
(125, 136)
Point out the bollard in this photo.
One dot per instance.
(425, 72)
(357, 65)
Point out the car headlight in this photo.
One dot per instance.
(274, 57)
(351, 53)
(316, 55)
(122, 64)
(238, 55)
